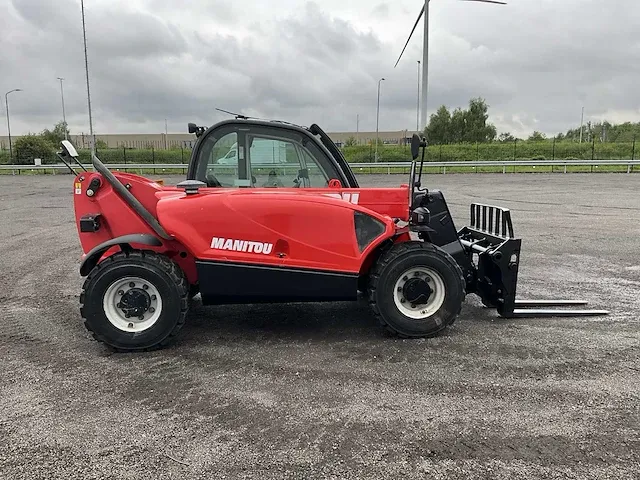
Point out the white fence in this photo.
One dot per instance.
(389, 167)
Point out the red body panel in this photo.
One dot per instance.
(307, 228)
(307, 231)
(119, 219)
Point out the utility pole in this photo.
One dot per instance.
(6, 102)
(92, 140)
(358, 129)
(581, 124)
(378, 118)
(166, 133)
(64, 117)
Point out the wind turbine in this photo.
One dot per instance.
(425, 52)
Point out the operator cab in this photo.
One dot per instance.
(263, 154)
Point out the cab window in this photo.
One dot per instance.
(220, 161)
(287, 161)
(262, 157)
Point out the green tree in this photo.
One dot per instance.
(458, 126)
(350, 142)
(477, 127)
(537, 137)
(506, 137)
(437, 132)
(55, 136)
(32, 146)
(470, 125)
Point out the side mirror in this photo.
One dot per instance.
(193, 128)
(68, 149)
(416, 143)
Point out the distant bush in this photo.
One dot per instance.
(29, 147)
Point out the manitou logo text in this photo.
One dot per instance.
(241, 245)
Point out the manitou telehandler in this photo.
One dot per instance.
(239, 231)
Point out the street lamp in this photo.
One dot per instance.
(86, 69)
(64, 117)
(6, 102)
(378, 117)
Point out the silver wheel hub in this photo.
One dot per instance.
(419, 292)
(132, 304)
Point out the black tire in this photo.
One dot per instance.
(388, 270)
(162, 273)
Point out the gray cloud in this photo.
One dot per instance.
(536, 62)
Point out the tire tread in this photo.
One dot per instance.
(169, 267)
(388, 256)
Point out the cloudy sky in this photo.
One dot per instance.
(536, 62)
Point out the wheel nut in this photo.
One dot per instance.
(402, 300)
(130, 325)
(427, 278)
(145, 287)
(131, 284)
(405, 278)
(151, 309)
(120, 292)
(413, 306)
(416, 274)
(399, 289)
(141, 317)
(119, 305)
(153, 297)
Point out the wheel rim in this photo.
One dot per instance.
(136, 297)
(419, 276)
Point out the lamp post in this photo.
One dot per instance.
(378, 117)
(86, 68)
(64, 117)
(6, 102)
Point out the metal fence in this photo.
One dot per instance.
(506, 166)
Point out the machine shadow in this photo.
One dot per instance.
(300, 322)
(280, 321)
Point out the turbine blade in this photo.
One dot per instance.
(413, 30)
(485, 1)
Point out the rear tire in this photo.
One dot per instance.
(135, 301)
(411, 267)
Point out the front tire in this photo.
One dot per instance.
(416, 290)
(135, 301)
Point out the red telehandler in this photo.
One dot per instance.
(236, 238)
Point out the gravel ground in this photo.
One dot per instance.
(317, 391)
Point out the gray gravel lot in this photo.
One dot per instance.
(317, 391)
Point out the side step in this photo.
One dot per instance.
(529, 309)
